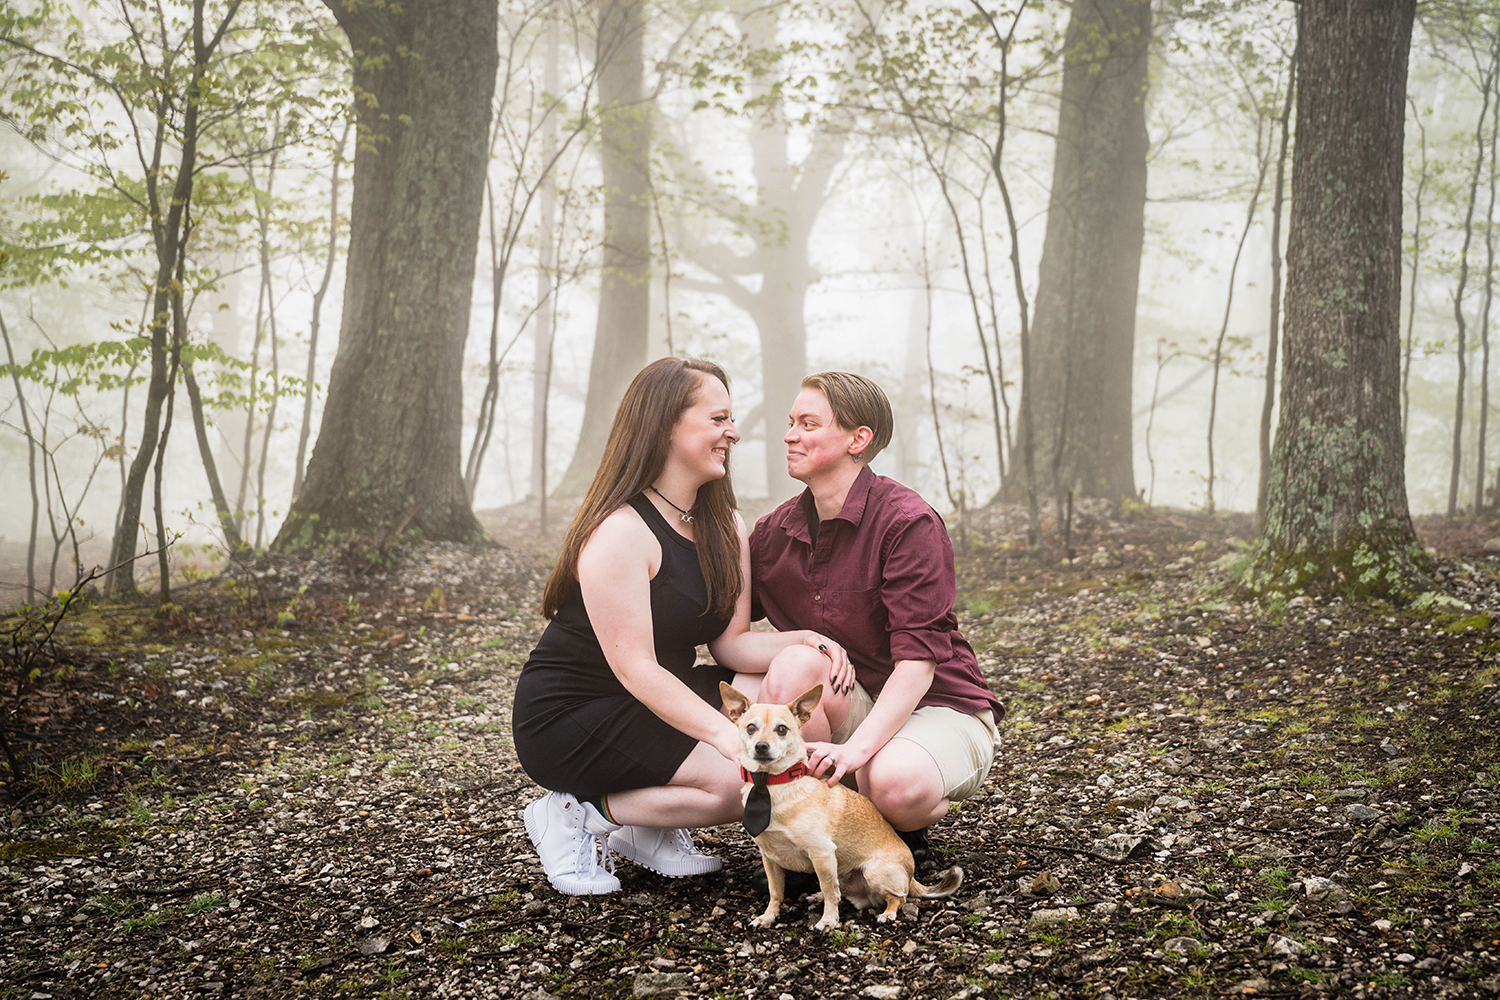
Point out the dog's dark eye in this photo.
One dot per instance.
(782, 730)
(750, 729)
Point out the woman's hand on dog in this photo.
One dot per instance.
(840, 669)
(832, 761)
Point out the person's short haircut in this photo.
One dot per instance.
(856, 402)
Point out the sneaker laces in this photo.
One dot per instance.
(682, 842)
(590, 847)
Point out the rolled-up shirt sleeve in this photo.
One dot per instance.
(918, 589)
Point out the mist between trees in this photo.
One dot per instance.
(273, 272)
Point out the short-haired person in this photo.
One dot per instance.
(865, 560)
(611, 714)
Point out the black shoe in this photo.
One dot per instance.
(917, 841)
(798, 884)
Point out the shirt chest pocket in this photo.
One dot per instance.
(859, 611)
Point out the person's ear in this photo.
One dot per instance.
(862, 438)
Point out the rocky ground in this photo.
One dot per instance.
(298, 781)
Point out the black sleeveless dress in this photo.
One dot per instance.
(576, 728)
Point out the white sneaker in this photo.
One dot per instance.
(667, 852)
(570, 839)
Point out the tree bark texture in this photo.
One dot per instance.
(1336, 504)
(622, 331)
(1083, 340)
(389, 448)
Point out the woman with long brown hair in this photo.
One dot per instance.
(611, 713)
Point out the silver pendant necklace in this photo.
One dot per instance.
(682, 515)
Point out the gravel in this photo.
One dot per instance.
(301, 783)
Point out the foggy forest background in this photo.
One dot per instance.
(855, 185)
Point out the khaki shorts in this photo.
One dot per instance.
(963, 746)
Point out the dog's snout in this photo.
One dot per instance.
(763, 749)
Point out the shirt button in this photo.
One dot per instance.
(817, 597)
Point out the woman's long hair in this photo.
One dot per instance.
(635, 454)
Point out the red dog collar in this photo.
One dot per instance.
(797, 770)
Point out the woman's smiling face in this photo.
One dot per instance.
(703, 434)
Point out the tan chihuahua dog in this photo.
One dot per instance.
(835, 832)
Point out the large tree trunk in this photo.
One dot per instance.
(1083, 341)
(389, 448)
(622, 330)
(1336, 511)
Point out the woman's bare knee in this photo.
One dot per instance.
(793, 671)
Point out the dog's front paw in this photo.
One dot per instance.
(764, 920)
(827, 924)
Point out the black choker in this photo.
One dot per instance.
(682, 515)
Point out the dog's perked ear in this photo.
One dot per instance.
(734, 702)
(803, 707)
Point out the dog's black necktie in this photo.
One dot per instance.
(757, 805)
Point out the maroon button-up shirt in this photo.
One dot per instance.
(879, 581)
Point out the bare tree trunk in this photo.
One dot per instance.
(222, 510)
(484, 424)
(541, 351)
(932, 391)
(1156, 398)
(315, 327)
(1486, 298)
(179, 337)
(1416, 269)
(1234, 267)
(36, 505)
(265, 318)
(1336, 513)
(270, 425)
(389, 451)
(1487, 87)
(1028, 425)
(1083, 347)
(1273, 339)
(621, 333)
(168, 220)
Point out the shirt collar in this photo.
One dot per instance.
(858, 496)
(798, 521)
